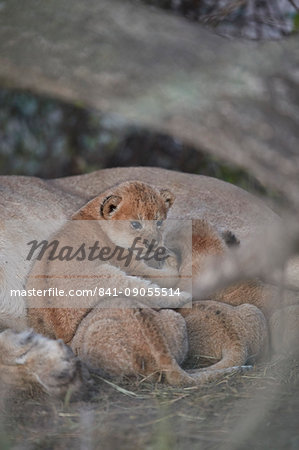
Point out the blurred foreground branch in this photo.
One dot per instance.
(271, 257)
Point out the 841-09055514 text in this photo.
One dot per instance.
(97, 291)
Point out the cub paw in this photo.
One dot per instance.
(173, 300)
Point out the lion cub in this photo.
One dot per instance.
(113, 220)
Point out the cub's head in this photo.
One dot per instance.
(129, 210)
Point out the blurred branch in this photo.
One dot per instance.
(235, 99)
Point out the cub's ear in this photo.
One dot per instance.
(109, 206)
(97, 208)
(90, 211)
(168, 198)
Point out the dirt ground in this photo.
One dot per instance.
(259, 410)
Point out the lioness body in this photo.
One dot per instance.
(32, 208)
(29, 206)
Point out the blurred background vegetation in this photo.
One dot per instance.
(255, 19)
(48, 138)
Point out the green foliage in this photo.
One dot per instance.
(296, 22)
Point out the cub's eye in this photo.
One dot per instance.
(159, 223)
(136, 225)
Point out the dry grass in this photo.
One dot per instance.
(259, 410)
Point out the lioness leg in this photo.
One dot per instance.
(29, 360)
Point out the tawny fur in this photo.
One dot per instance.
(29, 361)
(107, 227)
(219, 202)
(206, 243)
(140, 341)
